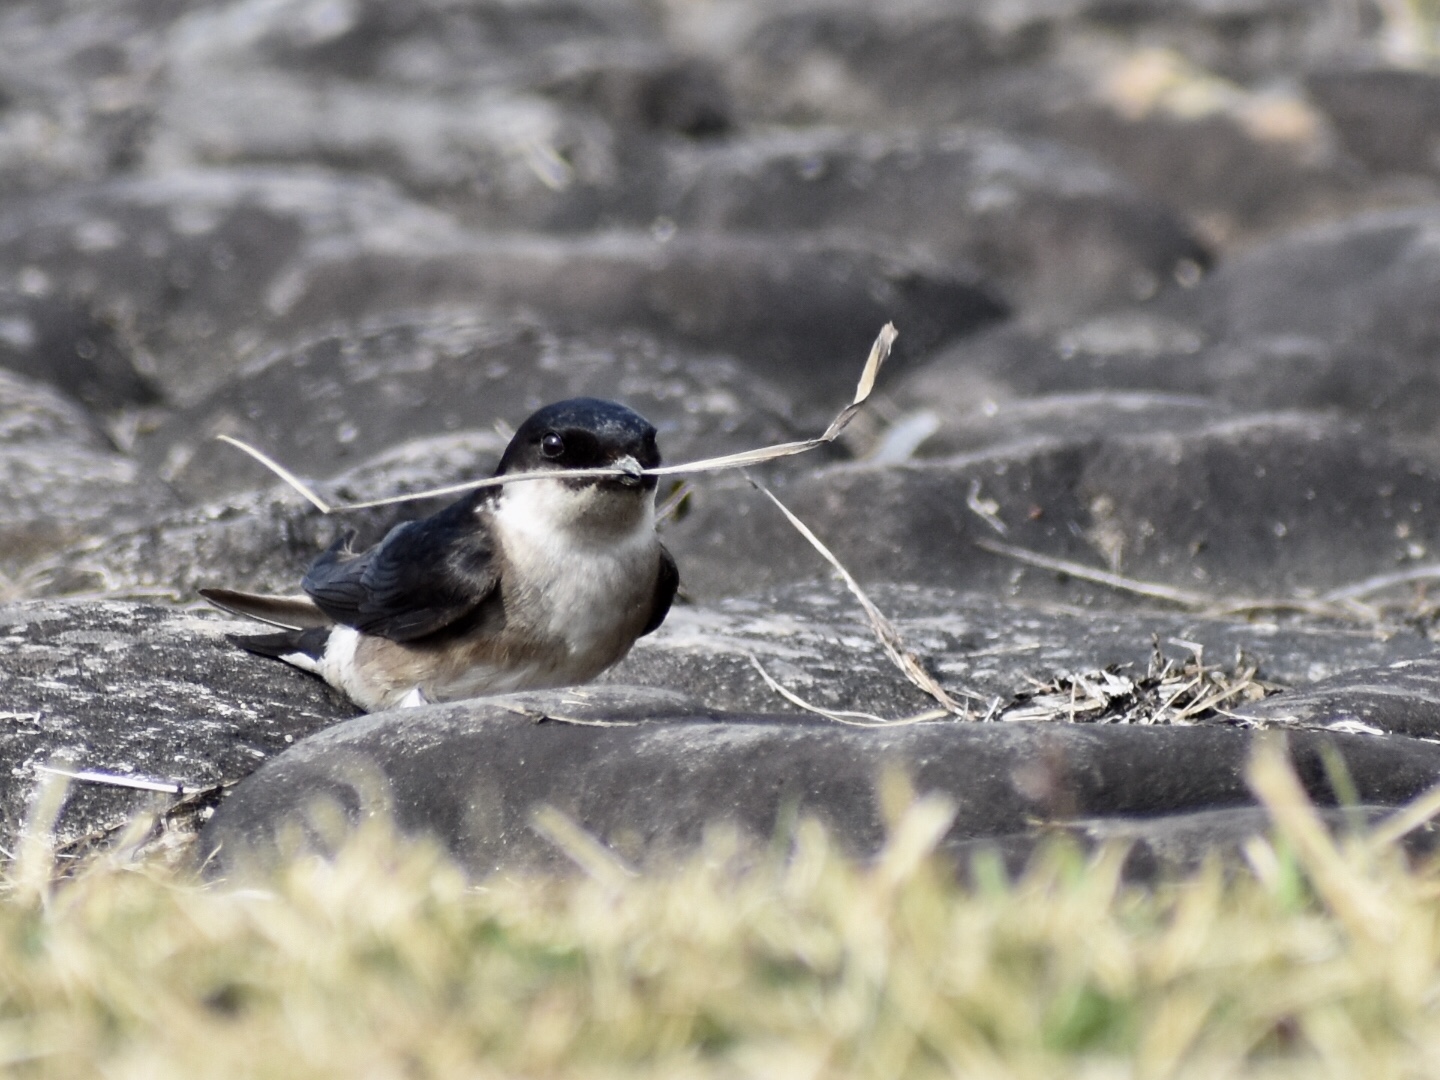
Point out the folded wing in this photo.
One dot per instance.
(422, 578)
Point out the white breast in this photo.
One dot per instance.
(580, 567)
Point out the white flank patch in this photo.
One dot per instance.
(337, 666)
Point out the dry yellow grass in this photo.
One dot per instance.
(789, 963)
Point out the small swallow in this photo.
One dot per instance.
(531, 585)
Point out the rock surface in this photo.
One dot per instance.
(347, 396)
(1279, 506)
(1155, 463)
(62, 479)
(139, 692)
(814, 638)
(648, 781)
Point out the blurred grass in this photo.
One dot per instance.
(1324, 961)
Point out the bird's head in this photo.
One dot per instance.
(583, 433)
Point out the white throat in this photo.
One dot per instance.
(552, 513)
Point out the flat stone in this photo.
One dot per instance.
(802, 311)
(1388, 118)
(814, 639)
(1400, 698)
(1339, 316)
(141, 692)
(473, 774)
(80, 82)
(641, 87)
(62, 481)
(183, 271)
(844, 59)
(1272, 506)
(1053, 229)
(1178, 844)
(1198, 104)
(352, 394)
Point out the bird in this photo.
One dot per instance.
(531, 585)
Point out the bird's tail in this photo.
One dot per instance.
(289, 612)
(302, 648)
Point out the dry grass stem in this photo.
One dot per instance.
(1183, 597)
(581, 848)
(168, 787)
(841, 716)
(879, 351)
(674, 503)
(279, 470)
(1340, 604)
(987, 510)
(1405, 821)
(1380, 582)
(1353, 899)
(889, 637)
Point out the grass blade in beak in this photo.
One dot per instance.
(879, 352)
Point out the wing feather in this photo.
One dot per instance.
(666, 582)
(423, 577)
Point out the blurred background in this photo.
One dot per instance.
(1166, 275)
(370, 234)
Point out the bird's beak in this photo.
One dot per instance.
(634, 472)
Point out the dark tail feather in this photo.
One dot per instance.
(287, 612)
(285, 644)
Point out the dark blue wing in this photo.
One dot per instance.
(423, 577)
(666, 583)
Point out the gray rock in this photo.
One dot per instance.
(1055, 231)
(1388, 118)
(856, 62)
(204, 272)
(1340, 316)
(157, 694)
(535, 117)
(932, 62)
(959, 415)
(1399, 698)
(1167, 846)
(642, 88)
(814, 639)
(505, 155)
(340, 399)
(803, 311)
(62, 481)
(184, 272)
(649, 785)
(142, 692)
(1264, 505)
(78, 90)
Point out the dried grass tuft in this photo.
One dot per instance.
(791, 959)
(1169, 693)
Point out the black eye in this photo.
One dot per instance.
(552, 445)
